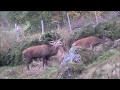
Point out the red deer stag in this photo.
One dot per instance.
(41, 51)
(91, 41)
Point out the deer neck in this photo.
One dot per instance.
(56, 49)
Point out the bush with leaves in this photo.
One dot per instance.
(14, 55)
(81, 33)
(109, 29)
(88, 55)
(113, 30)
(50, 36)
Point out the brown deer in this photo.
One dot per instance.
(41, 51)
(91, 41)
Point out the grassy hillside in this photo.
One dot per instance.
(107, 66)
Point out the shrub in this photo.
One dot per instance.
(71, 70)
(50, 36)
(81, 33)
(99, 30)
(109, 29)
(113, 30)
(87, 55)
(14, 56)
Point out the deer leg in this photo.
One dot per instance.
(46, 61)
(28, 63)
(28, 67)
(43, 62)
(35, 59)
(91, 46)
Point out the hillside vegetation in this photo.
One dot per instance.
(105, 67)
(103, 64)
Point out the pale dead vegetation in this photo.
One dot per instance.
(108, 69)
(64, 33)
(36, 71)
(8, 38)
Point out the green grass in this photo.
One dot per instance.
(96, 75)
(103, 67)
(20, 72)
(51, 72)
(103, 57)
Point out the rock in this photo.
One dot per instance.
(77, 54)
(75, 62)
(71, 64)
(116, 44)
(72, 56)
(68, 73)
(70, 70)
